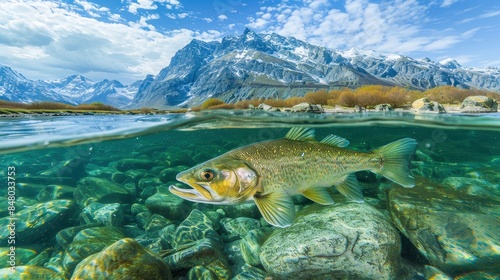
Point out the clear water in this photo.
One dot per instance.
(449, 146)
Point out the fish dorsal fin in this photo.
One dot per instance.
(277, 208)
(348, 186)
(335, 140)
(319, 195)
(301, 134)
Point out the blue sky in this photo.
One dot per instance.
(127, 39)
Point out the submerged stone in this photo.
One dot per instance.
(342, 241)
(195, 227)
(203, 252)
(128, 164)
(167, 205)
(29, 273)
(199, 272)
(103, 214)
(156, 222)
(455, 231)
(87, 242)
(239, 226)
(250, 273)
(19, 256)
(37, 223)
(52, 192)
(250, 245)
(91, 189)
(124, 259)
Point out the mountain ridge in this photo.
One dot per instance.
(256, 65)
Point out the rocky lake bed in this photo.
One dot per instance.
(103, 210)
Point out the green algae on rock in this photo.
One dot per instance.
(29, 273)
(37, 223)
(92, 189)
(124, 259)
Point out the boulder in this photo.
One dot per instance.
(130, 163)
(383, 107)
(91, 189)
(424, 105)
(195, 227)
(456, 231)
(342, 241)
(103, 214)
(124, 259)
(28, 273)
(168, 205)
(479, 104)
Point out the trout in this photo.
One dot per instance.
(269, 173)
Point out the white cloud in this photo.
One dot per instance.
(387, 26)
(49, 40)
(222, 17)
(447, 3)
(152, 5)
(182, 15)
(209, 20)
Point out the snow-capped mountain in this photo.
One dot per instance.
(74, 89)
(256, 65)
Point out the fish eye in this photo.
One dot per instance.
(207, 175)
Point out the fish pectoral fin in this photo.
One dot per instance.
(350, 188)
(319, 195)
(277, 208)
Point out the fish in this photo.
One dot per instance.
(270, 172)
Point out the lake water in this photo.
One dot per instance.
(82, 192)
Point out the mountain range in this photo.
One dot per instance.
(252, 65)
(74, 89)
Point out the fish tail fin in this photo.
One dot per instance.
(395, 160)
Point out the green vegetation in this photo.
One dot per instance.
(366, 96)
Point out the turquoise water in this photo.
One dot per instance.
(80, 185)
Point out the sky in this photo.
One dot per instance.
(128, 39)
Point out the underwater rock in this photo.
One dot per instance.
(42, 258)
(167, 204)
(42, 180)
(87, 242)
(250, 245)
(249, 210)
(130, 163)
(55, 264)
(342, 241)
(476, 275)
(168, 174)
(120, 177)
(383, 107)
(424, 105)
(239, 226)
(478, 104)
(178, 158)
(195, 227)
(73, 168)
(204, 252)
(250, 273)
(474, 186)
(199, 272)
(37, 223)
(152, 241)
(29, 273)
(455, 231)
(431, 272)
(52, 192)
(149, 183)
(137, 208)
(124, 259)
(91, 189)
(65, 236)
(156, 222)
(103, 214)
(142, 218)
(20, 256)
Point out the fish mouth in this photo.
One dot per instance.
(198, 193)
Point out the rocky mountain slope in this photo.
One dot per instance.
(272, 66)
(74, 89)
